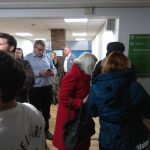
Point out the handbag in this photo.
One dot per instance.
(80, 129)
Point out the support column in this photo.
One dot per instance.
(58, 42)
(58, 39)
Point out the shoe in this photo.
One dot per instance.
(49, 135)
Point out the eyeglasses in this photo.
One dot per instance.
(39, 49)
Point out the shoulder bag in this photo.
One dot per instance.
(80, 129)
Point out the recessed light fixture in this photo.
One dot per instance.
(35, 39)
(76, 20)
(23, 34)
(79, 34)
(80, 39)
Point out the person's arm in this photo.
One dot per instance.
(92, 109)
(50, 71)
(30, 80)
(53, 69)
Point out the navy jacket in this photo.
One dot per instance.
(113, 119)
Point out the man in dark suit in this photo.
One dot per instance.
(68, 60)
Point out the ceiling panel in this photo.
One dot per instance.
(40, 27)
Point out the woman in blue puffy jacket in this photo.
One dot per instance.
(109, 96)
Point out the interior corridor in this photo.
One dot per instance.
(94, 139)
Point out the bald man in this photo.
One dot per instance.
(68, 61)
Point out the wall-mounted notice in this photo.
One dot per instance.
(59, 52)
(139, 53)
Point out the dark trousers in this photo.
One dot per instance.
(41, 98)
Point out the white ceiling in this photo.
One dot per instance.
(40, 27)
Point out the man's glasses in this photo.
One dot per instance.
(40, 49)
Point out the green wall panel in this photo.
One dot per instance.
(139, 53)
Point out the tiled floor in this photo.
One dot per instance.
(94, 139)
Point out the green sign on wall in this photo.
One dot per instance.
(139, 53)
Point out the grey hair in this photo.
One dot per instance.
(86, 62)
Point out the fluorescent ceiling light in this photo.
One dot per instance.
(76, 20)
(23, 34)
(35, 39)
(79, 34)
(80, 39)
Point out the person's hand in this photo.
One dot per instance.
(85, 99)
(44, 73)
(50, 72)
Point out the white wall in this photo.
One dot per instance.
(131, 21)
(79, 45)
(25, 45)
(103, 38)
(97, 45)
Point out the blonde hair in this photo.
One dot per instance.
(55, 56)
(86, 62)
(114, 62)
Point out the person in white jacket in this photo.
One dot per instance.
(21, 124)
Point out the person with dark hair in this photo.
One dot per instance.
(7, 43)
(115, 46)
(21, 124)
(74, 89)
(19, 53)
(119, 99)
(54, 59)
(41, 93)
(23, 95)
(111, 47)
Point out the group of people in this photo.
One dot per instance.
(102, 87)
(104, 96)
